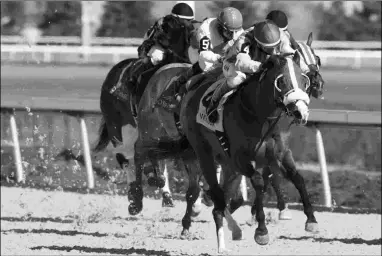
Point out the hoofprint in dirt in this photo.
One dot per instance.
(37, 222)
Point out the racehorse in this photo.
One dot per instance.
(119, 111)
(306, 54)
(159, 137)
(261, 97)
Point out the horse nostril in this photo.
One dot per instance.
(297, 114)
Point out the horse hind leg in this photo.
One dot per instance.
(191, 196)
(208, 167)
(234, 200)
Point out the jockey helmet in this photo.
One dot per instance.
(267, 36)
(279, 18)
(230, 21)
(183, 11)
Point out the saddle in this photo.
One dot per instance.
(202, 117)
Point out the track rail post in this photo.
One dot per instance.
(86, 149)
(16, 147)
(324, 171)
(68, 137)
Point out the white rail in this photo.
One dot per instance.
(76, 40)
(114, 54)
(318, 117)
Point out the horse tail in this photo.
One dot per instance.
(103, 139)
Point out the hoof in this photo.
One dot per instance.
(262, 238)
(156, 182)
(285, 214)
(152, 181)
(135, 209)
(311, 227)
(167, 200)
(185, 234)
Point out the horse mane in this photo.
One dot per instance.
(267, 65)
(171, 20)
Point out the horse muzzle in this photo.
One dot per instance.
(301, 113)
(297, 103)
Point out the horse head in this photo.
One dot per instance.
(285, 84)
(176, 37)
(306, 53)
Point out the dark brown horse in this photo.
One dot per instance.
(119, 114)
(160, 138)
(304, 54)
(245, 119)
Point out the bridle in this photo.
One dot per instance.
(279, 101)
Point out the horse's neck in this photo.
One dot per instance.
(257, 98)
(181, 47)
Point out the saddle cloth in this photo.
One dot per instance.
(201, 116)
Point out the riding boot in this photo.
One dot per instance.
(172, 96)
(219, 92)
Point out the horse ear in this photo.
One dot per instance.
(310, 39)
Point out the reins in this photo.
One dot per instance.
(270, 128)
(262, 139)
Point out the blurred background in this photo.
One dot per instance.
(328, 20)
(57, 54)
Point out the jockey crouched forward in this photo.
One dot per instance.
(153, 51)
(288, 43)
(252, 48)
(208, 45)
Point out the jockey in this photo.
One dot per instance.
(152, 50)
(208, 45)
(252, 48)
(288, 43)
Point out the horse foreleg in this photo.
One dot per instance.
(298, 181)
(273, 172)
(261, 234)
(135, 193)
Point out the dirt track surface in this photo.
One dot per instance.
(36, 222)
